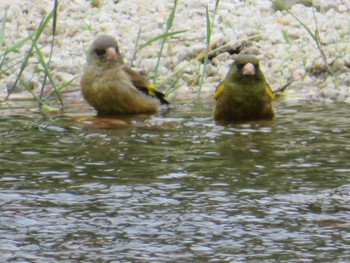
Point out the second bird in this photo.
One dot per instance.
(244, 94)
(111, 87)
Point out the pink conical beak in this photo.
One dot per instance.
(111, 54)
(248, 69)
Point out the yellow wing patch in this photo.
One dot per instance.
(151, 89)
(219, 90)
(269, 92)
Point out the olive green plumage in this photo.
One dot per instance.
(244, 94)
(111, 87)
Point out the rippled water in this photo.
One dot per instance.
(176, 188)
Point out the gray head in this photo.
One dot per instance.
(104, 51)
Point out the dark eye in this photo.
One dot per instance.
(239, 67)
(100, 52)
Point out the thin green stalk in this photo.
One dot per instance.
(319, 44)
(40, 101)
(42, 61)
(2, 62)
(29, 89)
(61, 87)
(210, 26)
(136, 45)
(11, 65)
(3, 26)
(173, 88)
(149, 42)
(169, 25)
(42, 25)
(47, 74)
(45, 64)
(17, 45)
(315, 37)
(2, 37)
(162, 36)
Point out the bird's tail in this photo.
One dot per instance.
(160, 96)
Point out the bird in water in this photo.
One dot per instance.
(111, 87)
(244, 94)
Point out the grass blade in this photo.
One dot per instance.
(136, 45)
(47, 74)
(302, 24)
(209, 26)
(162, 36)
(17, 45)
(29, 89)
(315, 37)
(171, 18)
(54, 17)
(169, 24)
(3, 26)
(42, 25)
(61, 87)
(46, 66)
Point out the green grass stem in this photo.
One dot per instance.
(136, 47)
(315, 37)
(169, 25)
(46, 66)
(42, 25)
(209, 27)
(47, 73)
(3, 26)
(17, 45)
(161, 37)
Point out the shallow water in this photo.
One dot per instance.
(176, 188)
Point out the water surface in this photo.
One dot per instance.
(175, 188)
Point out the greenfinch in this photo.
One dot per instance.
(244, 94)
(111, 87)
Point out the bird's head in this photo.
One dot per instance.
(104, 51)
(245, 67)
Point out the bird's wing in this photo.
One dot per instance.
(269, 92)
(144, 85)
(151, 91)
(218, 90)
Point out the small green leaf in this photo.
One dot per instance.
(285, 35)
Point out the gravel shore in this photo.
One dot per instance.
(285, 49)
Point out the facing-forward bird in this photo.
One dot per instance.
(111, 87)
(244, 94)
